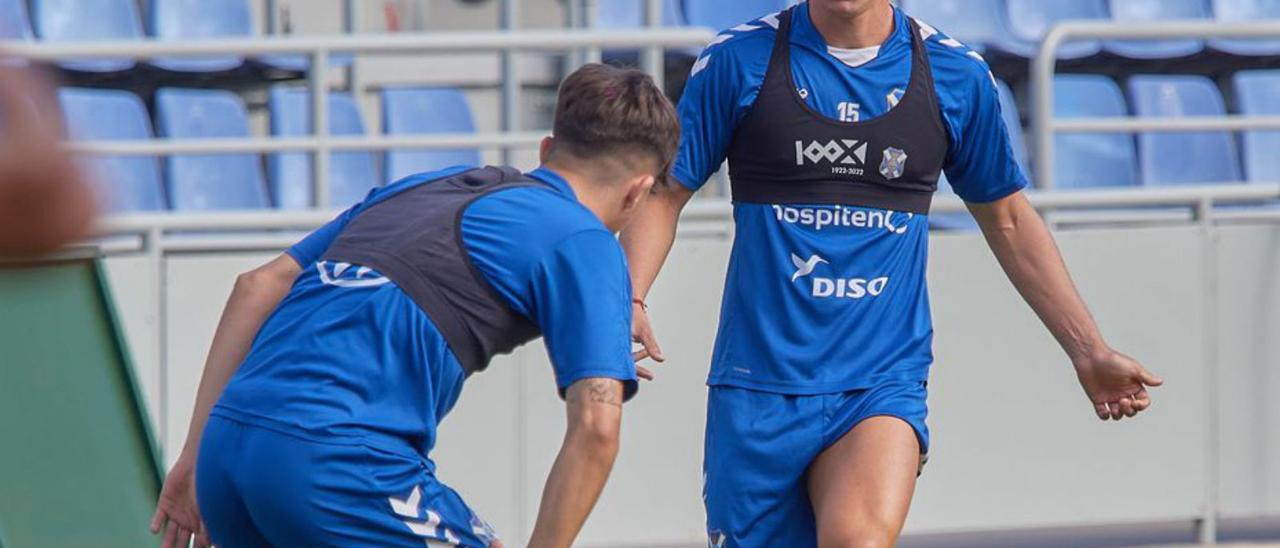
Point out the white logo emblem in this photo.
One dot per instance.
(715, 539)
(844, 151)
(894, 97)
(341, 275)
(842, 288)
(803, 267)
(893, 164)
(430, 529)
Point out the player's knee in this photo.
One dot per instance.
(858, 534)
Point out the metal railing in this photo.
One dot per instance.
(318, 49)
(1046, 126)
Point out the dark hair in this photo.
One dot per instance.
(612, 112)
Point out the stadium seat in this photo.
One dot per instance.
(126, 183)
(627, 14)
(1030, 20)
(196, 20)
(14, 23)
(1085, 160)
(1258, 94)
(1143, 11)
(974, 22)
(1175, 158)
(89, 20)
(1246, 10)
(410, 111)
(351, 174)
(723, 14)
(209, 181)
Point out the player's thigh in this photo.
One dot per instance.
(861, 486)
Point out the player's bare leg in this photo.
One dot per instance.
(861, 486)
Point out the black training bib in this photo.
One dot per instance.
(784, 152)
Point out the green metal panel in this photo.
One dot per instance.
(78, 466)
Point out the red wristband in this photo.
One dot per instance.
(640, 302)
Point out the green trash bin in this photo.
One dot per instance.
(78, 465)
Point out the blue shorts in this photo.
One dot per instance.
(260, 486)
(759, 446)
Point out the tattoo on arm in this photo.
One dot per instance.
(597, 390)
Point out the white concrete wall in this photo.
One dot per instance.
(1015, 441)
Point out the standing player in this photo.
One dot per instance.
(334, 363)
(837, 118)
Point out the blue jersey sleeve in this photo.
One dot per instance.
(722, 85)
(980, 163)
(311, 248)
(581, 299)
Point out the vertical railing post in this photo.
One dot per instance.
(511, 80)
(1207, 530)
(319, 80)
(652, 58)
(591, 21)
(351, 25)
(1042, 108)
(152, 246)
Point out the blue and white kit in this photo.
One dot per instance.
(825, 318)
(322, 436)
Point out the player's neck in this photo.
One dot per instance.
(869, 28)
(590, 195)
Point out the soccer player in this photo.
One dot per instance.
(45, 201)
(334, 363)
(837, 118)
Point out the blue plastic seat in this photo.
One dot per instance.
(411, 111)
(1089, 160)
(723, 14)
(974, 22)
(1013, 124)
(1144, 11)
(627, 14)
(351, 174)
(1258, 94)
(1246, 10)
(14, 22)
(1176, 158)
(200, 20)
(126, 183)
(1030, 20)
(89, 20)
(209, 181)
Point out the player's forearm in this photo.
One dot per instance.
(583, 465)
(255, 296)
(1026, 250)
(648, 239)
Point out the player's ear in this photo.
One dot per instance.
(544, 149)
(637, 190)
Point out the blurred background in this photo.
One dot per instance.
(1151, 129)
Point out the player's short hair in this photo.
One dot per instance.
(616, 113)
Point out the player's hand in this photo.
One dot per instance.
(642, 333)
(177, 513)
(1116, 384)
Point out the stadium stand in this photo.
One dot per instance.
(1246, 10)
(723, 14)
(1030, 20)
(418, 110)
(89, 20)
(1142, 11)
(1013, 123)
(1083, 157)
(14, 22)
(205, 181)
(974, 22)
(126, 183)
(1257, 93)
(351, 174)
(195, 20)
(623, 14)
(1183, 157)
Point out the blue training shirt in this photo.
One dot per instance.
(348, 355)
(822, 298)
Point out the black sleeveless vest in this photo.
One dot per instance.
(785, 152)
(415, 239)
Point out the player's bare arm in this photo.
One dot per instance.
(647, 242)
(1116, 384)
(594, 408)
(256, 293)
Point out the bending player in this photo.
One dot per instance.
(837, 118)
(363, 334)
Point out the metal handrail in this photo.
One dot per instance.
(1044, 65)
